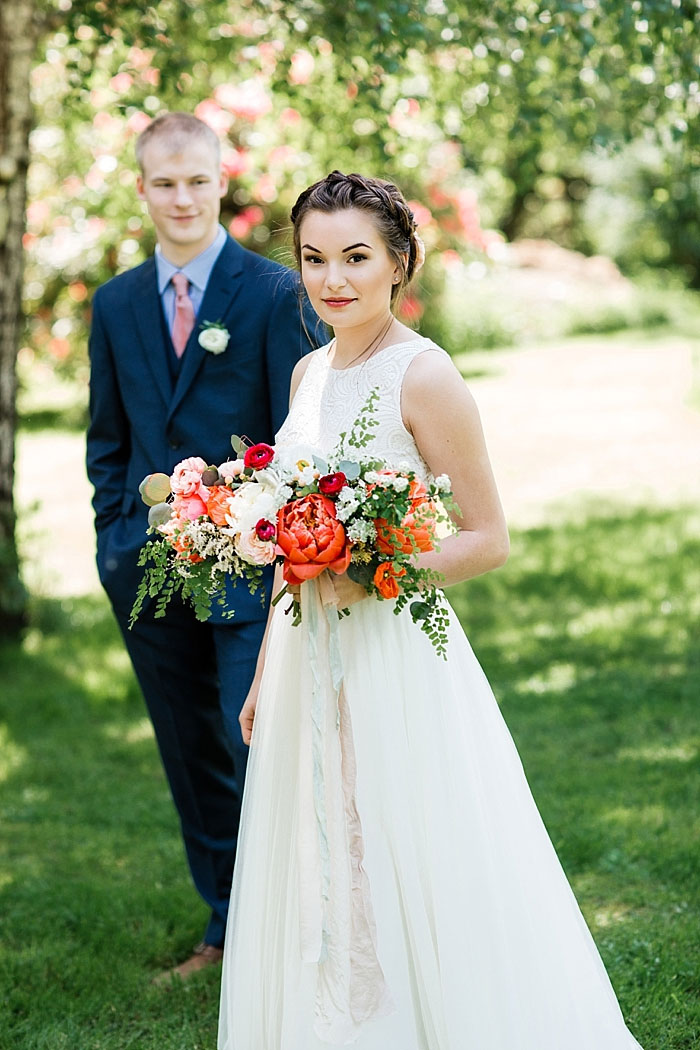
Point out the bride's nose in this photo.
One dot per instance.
(335, 278)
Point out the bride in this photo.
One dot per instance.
(395, 888)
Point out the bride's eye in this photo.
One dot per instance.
(356, 257)
(312, 259)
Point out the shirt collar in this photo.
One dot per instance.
(197, 270)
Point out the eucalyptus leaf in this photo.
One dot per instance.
(350, 469)
(238, 445)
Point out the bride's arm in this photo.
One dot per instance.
(440, 412)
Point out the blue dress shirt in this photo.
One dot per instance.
(197, 271)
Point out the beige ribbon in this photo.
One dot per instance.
(337, 925)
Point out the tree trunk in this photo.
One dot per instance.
(18, 27)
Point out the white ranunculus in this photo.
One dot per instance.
(248, 505)
(273, 484)
(215, 340)
(291, 460)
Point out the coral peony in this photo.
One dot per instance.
(218, 504)
(311, 538)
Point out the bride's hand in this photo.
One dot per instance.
(247, 715)
(347, 591)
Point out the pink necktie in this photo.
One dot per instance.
(184, 313)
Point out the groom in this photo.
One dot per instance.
(163, 387)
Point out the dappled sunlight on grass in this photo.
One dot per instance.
(680, 752)
(131, 734)
(11, 755)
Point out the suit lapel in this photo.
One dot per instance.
(147, 311)
(223, 286)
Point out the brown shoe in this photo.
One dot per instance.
(202, 956)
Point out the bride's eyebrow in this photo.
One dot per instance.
(311, 248)
(359, 245)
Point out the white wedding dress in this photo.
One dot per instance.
(395, 888)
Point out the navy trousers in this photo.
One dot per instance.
(194, 678)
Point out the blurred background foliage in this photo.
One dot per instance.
(573, 121)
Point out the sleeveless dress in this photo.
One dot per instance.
(395, 887)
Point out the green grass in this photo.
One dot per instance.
(590, 638)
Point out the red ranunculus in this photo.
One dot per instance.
(258, 456)
(331, 484)
(265, 530)
(311, 538)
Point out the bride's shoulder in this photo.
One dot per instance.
(431, 380)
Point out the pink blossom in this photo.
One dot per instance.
(137, 122)
(212, 114)
(290, 116)
(302, 67)
(121, 82)
(421, 214)
(235, 162)
(247, 100)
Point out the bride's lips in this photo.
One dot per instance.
(336, 303)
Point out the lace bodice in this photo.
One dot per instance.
(329, 400)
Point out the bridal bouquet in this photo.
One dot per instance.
(350, 512)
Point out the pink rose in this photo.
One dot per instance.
(186, 479)
(190, 507)
(254, 550)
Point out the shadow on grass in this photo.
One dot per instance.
(589, 636)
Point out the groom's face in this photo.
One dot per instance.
(182, 185)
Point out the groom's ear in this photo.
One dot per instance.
(223, 183)
(139, 186)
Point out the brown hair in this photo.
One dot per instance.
(178, 128)
(383, 200)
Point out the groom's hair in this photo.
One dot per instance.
(178, 129)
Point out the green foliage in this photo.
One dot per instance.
(522, 106)
(589, 636)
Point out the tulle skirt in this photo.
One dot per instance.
(395, 888)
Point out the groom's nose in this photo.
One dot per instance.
(183, 196)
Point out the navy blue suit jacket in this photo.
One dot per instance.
(141, 421)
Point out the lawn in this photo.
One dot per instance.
(590, 638)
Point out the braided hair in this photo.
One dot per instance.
(383, 200)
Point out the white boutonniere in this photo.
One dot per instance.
(214, 337)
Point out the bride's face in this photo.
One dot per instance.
(346, 268)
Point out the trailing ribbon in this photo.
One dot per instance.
(337, 926)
